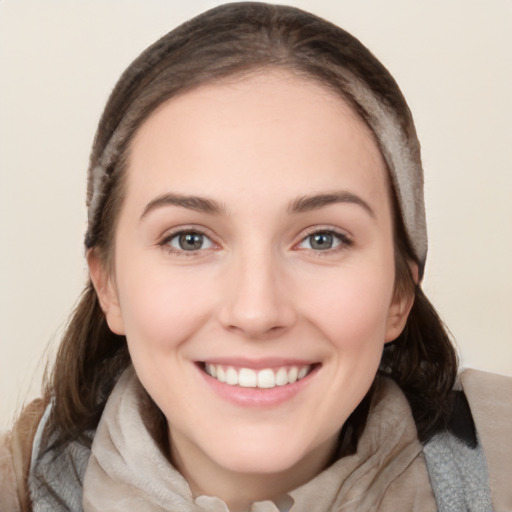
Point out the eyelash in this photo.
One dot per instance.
(343, 242)
(167, 239)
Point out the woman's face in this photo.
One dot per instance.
(254, 245)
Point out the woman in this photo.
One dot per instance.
(254, 334)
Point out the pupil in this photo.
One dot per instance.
(191, 241)
(321, 241)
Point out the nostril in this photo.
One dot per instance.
(256, 308)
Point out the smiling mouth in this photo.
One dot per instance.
(264, 378)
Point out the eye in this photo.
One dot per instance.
(324, 241)
(189, 241)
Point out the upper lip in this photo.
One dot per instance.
(260, 363)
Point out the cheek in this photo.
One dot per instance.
(162, 311)
(351, 314)
(162, 307)
(351, 308)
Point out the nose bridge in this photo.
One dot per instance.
(256, 303)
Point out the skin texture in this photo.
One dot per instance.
(257, 288)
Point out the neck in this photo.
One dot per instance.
(239, 489)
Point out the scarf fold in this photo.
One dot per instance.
(459, 475)
(56, 477)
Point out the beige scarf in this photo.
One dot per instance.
(128, 472)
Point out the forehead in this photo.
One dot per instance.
(270, 127)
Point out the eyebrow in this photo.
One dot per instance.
(196, 203)
(299, 205)
(317, 201)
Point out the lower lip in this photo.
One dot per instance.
(258, 397)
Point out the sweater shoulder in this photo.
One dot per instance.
(9, 500)
(15, 456)
(490, 399)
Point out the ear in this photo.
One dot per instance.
(106, 291)
(400, 307)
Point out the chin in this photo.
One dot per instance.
(264, 455)
(260, 462)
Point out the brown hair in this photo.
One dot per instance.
(236, 39)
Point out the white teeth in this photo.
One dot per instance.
(266, 378)
(302, 373)
(211, 370)
(231, 377)
(292, 374)
(281, 377)
(221, 374)
(247, 378)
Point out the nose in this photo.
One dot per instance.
(256, 302)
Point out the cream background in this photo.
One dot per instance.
(59, 60)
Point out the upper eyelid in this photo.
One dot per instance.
(168, 235)
(192, 228)
(324, 229)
